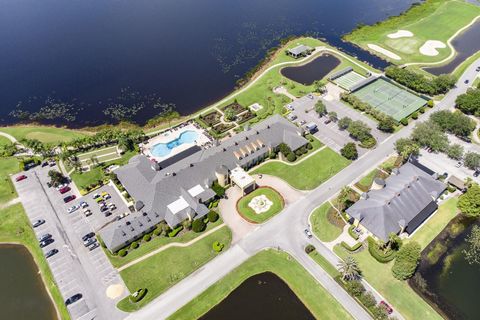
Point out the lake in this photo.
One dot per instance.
(263, 296)
(314, 70)
(83, 61)
(23, 295)
(451, 282)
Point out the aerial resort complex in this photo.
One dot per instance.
(248, 171)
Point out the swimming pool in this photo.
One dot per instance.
(163, 149)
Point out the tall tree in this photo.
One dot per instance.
(320, 108)
(469, 203)
(472, 160)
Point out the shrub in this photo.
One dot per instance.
(451, 188)
(298, 152)
(368, 143)
(379, 312)
(175, 231)
(421, 110)
(404, 121)
(378, 254)
(351, 249)
(309, 248)
(217, 246)
(406, 261)
(147, 237)
(122, 252)
(198, 225)
(212, 216)
(415, 115)
(134, 245)
(138, 295)
(291, 157)
(430, 103)
(368, 300)
(351, 233)
(157, 231)
(309, 146)
(355, 288)
(349, 151)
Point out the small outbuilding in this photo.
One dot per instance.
(457, 183)
(300, 51)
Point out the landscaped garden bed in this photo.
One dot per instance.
(223, 127)
(211, 119)
(244, 117)
(366, 182)
(236, 107)
(260, 205)
(326, 224)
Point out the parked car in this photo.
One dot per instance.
(112, 206)
(459, 164)
(44, 237)
(88, 236)
(89, 241)
(83, 204)
(96, 195)
(49, 184)
(476, 173)
(20, 178)
(87, 212)
(73, 208)
(51, 163)
(387, 307)
(103, 208)
(39, 222)
(467, 81)
(107, 213)
(51, 253)
(290, 107)
(73, 299)
(44, 164)
(69, 198)
(61, 186)
(310, 96)
(99, 200)
(64, 190)
(93, 246)
(46, 242)
(106, 195)
(308, 233)
(327, 121)
(478, 69)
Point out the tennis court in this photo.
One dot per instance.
(390, 99)
(348, 80)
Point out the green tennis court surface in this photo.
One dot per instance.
(348, 80)
(390, 99)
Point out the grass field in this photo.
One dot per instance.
(320, 303)
(4, 141)
(324, 229)
(432, 20)
(165, 269)
(250, 215)
(390, 99)
(102, 155)
(324, 164)
(7, 190)
(44, 134)
(15, 227)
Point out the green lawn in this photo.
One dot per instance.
(365, 183)
(399, 293)
(249, 214)
(156, 243)
(4, 141)
(15, 227)
(44, 134)
(433, 20)
(322, 262)
(309, 173)
(324, 229)
(165, 269)
(7, 190)
(320, 303)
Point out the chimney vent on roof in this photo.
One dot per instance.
(191, 165)
(378, 184)
(364, 196)
(395, 171)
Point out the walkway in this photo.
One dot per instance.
(284, 91)
(170, 245)
(9, 203)
(9, 137)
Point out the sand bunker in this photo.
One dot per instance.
(400, 34)
(114, 291)
(385, 52)
(430, 47)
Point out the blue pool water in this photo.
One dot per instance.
(163, 149)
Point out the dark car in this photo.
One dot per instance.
(107, 213)
(64, 190)
(327, 121)
(386, 306)
(69, 198)
(467, 81)
(466, 139)
(44, 164)
(103, 208)
(89, 242)
(44, 237)
(51, 253)
(88, 236)
(73, 299)
(46, 242)
(93, 246)
(39, 222)
(476, 173)
(20, 178)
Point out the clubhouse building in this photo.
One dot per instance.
(182, 190)
(399, 204)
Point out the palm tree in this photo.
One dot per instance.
(349, 269)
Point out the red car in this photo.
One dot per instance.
(386, 306)
(64, 190)
(69, 198)
(20, 178)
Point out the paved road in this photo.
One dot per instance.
(285, 230)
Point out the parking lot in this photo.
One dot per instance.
(329, 133)
(75, 268)
(440, 163)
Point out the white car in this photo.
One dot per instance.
(83, 204)
(87, 212)
(63, 185)
(112, 206)
(96, 195)
(73, 208)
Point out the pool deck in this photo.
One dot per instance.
(170, 135)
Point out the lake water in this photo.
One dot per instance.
(22, 295)
(263, 296)
(314, 70)
(90, 61)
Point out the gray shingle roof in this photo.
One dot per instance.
(300, 50)
(156, 189)
(404, 197)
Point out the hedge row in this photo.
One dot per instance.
(377, 254)
(351, 249)
(352, 233)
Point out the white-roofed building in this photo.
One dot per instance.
(243, 180)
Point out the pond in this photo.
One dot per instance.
(314, 70)
(466, 44)
(86, 62)
(23, 294)
(451, 283)
(263, 296)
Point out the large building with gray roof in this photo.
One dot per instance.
(401, 203)
(182, 189)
